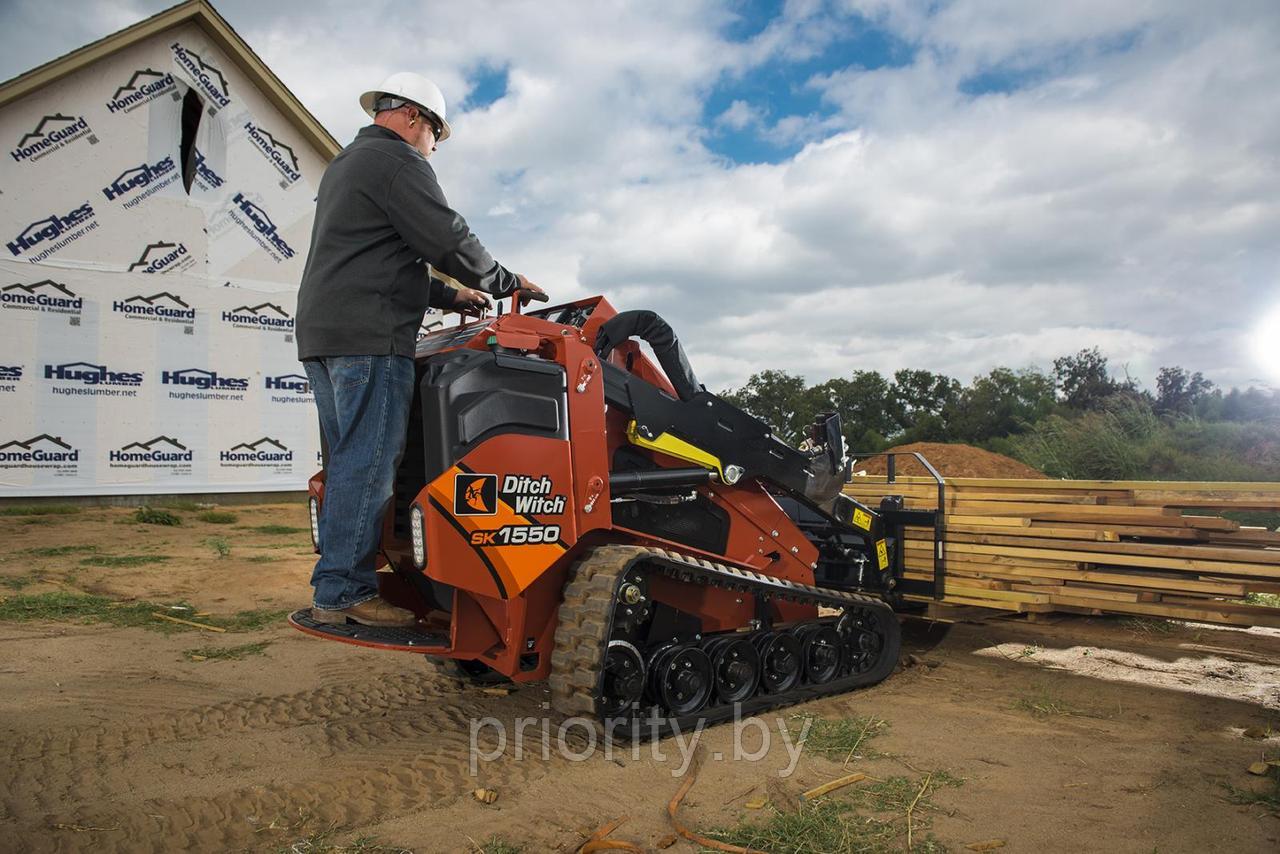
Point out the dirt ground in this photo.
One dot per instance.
(951, 459)
(1075, 735)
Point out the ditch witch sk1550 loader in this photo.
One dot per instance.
(565, 510)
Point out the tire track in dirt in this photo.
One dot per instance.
(51, 768)
(377, 751)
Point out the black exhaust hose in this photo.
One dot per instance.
(621, 482)
(656, 332)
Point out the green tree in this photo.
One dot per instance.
(917, 402)
(779, 399)
(864, 401)
(1002, 403)
(1085, 383)
(1180, 392)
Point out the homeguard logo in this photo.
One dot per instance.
(44, 295)
(53, 132)
(160, 451)
(144, 86)
(265, 451)
(280, 155)
(265, 315)
(289, 382)
(139, 177)
(43, 451)
(87, 374)
(206, 178)
(73, 224)
(154, 307)
(204, 380)
(265, 229)
(210, 79)
(475, 494)
(161, 257)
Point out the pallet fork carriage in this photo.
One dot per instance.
(565, 509)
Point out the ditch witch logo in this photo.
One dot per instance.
(475, 495)
(162, 257)
(144, 86)
(50, 231)
(265, 315)
(162, 451)
(87, 374)
(264, 452)
(44, 295)
(280, 155)
(43, 451)
(140, 176)
(208, 78)
(204, 380)
(154, 308)
(260, 227)
(53, 132)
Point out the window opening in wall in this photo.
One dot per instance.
(192, 111)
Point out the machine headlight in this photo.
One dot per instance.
(415, 533)
(315, 524)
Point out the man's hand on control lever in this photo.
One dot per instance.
(470, 301)
(527, 285)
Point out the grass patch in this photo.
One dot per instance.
(218, 517)
(277, 529)
(1044, 704)
(87, 608)
(38, 520)
(262, 558)
(20, 582)
(839, 739)
(1149, 626)
(496, 845)
(323, 842)
(220, 546)
(1268, 797)
(152, 516)
(123, 560)
(226, 653)
(57, 551)
(39, 510)
(867, 818)
(1271, 600)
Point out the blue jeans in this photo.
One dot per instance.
(364, 412)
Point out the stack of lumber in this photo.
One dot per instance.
(1146, 548)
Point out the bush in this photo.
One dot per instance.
(151, 516)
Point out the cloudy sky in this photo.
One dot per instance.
(830, 186)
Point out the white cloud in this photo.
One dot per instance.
(1122, 194)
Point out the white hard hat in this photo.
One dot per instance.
(410, 87)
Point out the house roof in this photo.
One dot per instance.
(219, 32)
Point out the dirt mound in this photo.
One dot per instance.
(950, 461)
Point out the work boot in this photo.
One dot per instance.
(373, 612)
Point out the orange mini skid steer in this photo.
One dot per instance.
(566, 509)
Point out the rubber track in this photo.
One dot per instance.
(578, 656)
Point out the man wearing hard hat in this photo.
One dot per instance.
(380, 220)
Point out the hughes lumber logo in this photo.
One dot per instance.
(162, 257)
(280, 155)
(86, 373)
(154, 176)
(144, 86)
(52, 233)
(39, 452)
(254, 220)
(265, 452)
(265, 316)
(205, 177)
(10, 375)
(44, 295)
(208, 78)
(160, 452)
(164, 306)
(291, 388)
(199, 384)
(51, 134)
